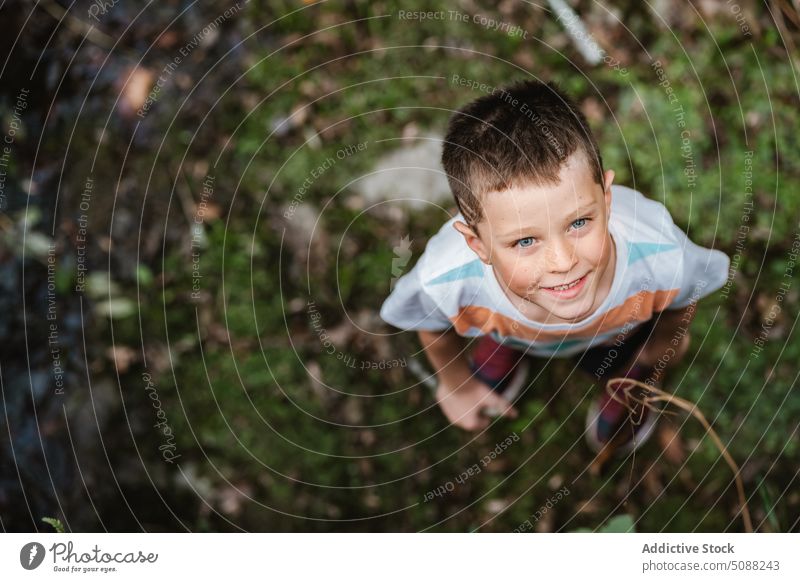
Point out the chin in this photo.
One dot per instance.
(577, 311)
(574, 314)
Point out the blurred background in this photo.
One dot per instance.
(204, 205)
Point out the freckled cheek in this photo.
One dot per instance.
(591, 250)
(522, 278)
(594, 258)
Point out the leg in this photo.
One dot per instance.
(644, 356)
(494, 363)
(659, 359)
(616, 359)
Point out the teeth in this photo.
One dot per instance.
(564, 287)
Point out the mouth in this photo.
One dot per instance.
(568, 290)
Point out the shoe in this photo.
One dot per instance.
(607, 418)
(503, 369)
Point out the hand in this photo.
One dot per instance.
(463, 405)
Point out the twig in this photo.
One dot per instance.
(691, 408)
(791, 48)
(577, 32)
(77, 25)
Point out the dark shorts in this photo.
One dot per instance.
(490, 361)
(608, 361)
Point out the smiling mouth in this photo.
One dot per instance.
(565, 286)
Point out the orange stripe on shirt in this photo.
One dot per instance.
(638, 307)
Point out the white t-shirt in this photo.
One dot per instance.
(657, 268)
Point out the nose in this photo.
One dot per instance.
(561, 256)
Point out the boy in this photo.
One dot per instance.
(547, 258)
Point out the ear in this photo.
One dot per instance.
(608, 179)
(473, 240)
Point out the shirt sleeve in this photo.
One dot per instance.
(409, 307)
(703, 271)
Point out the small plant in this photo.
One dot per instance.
(617, 524)
(56, 523)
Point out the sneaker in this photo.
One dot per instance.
(503, 369)
(607, 417)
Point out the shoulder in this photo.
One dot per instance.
(446, 255)
(649, 247)
(640, 217)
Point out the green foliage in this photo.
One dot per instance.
(617, 524)
(55, 523)
(270, 407)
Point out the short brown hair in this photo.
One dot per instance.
(518, 135)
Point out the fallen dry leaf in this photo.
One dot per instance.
(122, 356)
(136, 88)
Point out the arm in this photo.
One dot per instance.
(461, 396)
(445, 352)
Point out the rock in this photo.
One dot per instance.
(411, 176)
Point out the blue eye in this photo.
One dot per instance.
(582, 222)
(525, 242)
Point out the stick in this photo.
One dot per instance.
(691, 408)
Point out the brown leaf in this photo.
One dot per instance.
(495, 506)
(167, 40)
(498, 465)
(231, 499)
(122, 356)
(136, 88)
(321, 392)
(372, 501)
(589, 506)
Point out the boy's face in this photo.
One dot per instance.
(540, 237)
